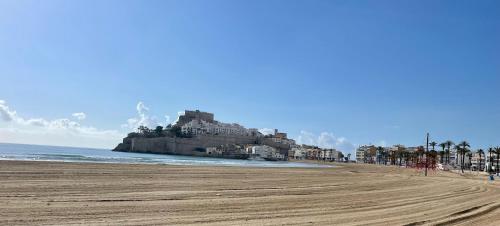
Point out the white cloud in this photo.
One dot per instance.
(37, 122)
(141, 108)
(167, 119)
(61, 131)
(326, 140)
(79, 115)
(266, 131)
(179, 113)
(5, 113)
(143, 118)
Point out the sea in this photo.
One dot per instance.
(29, 152)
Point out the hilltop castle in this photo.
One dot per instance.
(197, 122)
(197, 133)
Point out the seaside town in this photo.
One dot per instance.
(196, 133)
(449, 156)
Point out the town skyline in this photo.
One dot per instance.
(334, 74)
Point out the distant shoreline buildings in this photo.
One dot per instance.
(446, 157)
(309, 152)
(376, 154)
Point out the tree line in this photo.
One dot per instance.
(420, 157)
(159, 131)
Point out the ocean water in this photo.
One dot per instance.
(71, 154)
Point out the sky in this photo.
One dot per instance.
(329, 73)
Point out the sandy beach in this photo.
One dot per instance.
(40, 193)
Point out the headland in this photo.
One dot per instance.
(197, 133)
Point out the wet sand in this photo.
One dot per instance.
(38, 193)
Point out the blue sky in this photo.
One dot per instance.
(334, 73)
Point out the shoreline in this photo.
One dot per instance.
(313, 165)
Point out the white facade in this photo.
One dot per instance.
(329, 154)
(299, 153)
(283, 140)
(265, 151)
(196, 127)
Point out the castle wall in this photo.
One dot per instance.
(195, 146)
(181, 146)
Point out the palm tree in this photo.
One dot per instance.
(433, 144)
(497, 152)
(406, 157)
(459, 150)
(386, 155)
(441, 156)
(465, 145)
(443, 152)
(490, 159)
(448, 143)
(401, 154)
(433, 151)
(469, 155)
(464, 151)
(432, 155)
(393, 157)
(380, 151)
(480, 152)
(419, 155)
(410, 157)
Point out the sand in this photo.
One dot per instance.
(39, 193)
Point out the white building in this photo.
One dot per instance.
(299, 153)
(266, 152)
(198, 126)
(366, 154)
(329, 154)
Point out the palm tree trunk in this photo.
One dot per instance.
(480, 163)
(490, 159)
(470, 163)
(498, 157)
(462, 163)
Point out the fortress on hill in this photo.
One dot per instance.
(197, 133)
